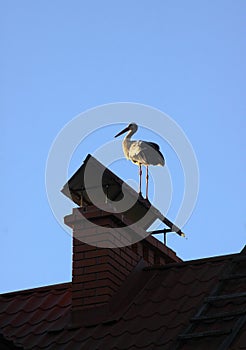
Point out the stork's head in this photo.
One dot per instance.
(131, 127)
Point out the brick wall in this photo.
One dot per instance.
(99, 272)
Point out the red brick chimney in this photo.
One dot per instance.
(108, 245)
(98, 272)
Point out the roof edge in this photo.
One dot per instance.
(38, 289)
(192, 262)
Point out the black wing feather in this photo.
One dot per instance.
(154, 145)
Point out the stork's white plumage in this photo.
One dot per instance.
(141, 152)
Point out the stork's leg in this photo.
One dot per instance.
(147, 181)
(140, 179)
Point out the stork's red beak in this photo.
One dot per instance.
(122, 132)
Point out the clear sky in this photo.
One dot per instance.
(60, 58)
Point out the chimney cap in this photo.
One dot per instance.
(75, 189)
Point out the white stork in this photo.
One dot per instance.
(141, 153)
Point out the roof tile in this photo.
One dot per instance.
(153, 317)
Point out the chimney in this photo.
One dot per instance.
(106, 248)
(98, 273)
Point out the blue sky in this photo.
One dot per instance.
(60, 58)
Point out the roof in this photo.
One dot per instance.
(7, 344)
(186, 305)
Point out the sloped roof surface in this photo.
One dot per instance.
(7, 344)
(187, 305)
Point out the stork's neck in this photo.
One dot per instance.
(127, 142)
(129, 134)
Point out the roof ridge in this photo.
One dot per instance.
(191, 262)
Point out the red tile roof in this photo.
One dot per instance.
(187, 305)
